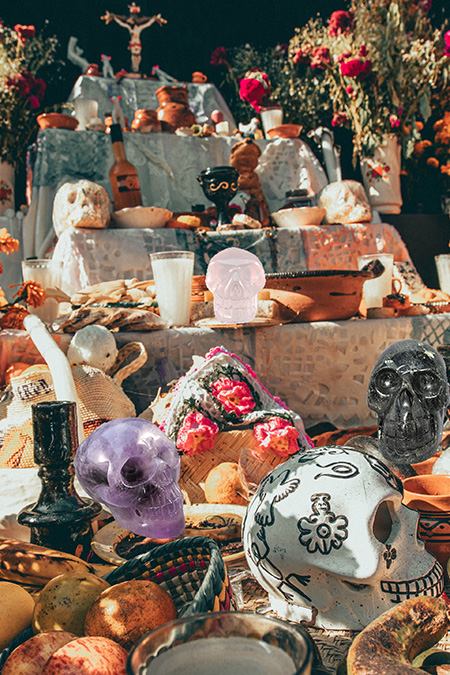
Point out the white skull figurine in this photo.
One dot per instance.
(327, 535)
(235, 277)
(81, 204)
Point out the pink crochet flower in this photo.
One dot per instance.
(196, 434)
(234, 396)
(277, 435)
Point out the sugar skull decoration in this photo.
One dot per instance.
(81, 203)
(235, 277)
(327, 535)
(131, 467)
(409, 392)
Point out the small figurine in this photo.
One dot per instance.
(135, 24)
(74, 54)
(162, 75)
(117, 114)
(107, 69)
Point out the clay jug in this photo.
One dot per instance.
(172, 93)
(175, 115)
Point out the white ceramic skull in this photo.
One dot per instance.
(81, 204)
(409, 392)
(327, 535)
(345, 202)
(235, 277)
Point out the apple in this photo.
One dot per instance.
(30, 657)
(88, 656)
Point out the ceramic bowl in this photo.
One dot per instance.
(56, 121)
(141, 217)
(319, 295)
(285, 131)
(296, 217)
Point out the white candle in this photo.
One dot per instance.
(222, 128)
(223, 656)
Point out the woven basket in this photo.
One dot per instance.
(191, 570)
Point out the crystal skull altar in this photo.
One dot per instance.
(235, 276)
(132, 467)
(409, 392)
(327, 536)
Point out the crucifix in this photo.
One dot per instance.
(135, 24)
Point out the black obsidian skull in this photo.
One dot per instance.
(409, 392)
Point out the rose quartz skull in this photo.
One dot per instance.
(235, 277)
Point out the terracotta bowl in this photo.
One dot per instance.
(320, 295)
(428, 492)
(141, 217)
(57, 121)
(285, 131)
(298, 216)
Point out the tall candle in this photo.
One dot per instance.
(223, 656)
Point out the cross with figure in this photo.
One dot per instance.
(135, 24)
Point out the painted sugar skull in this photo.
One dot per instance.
(327, 536)
(409, 392)
(132, 467)
(235, 277)
(81, 203)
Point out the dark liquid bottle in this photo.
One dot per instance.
(123, 175)
(59, 519)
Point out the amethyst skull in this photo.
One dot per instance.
(132, 467)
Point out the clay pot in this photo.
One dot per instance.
(426, 467)
(172, 93)
(146, 121)
(56, 121)
(175, 115)
(430, 496)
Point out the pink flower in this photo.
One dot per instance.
(394, 121)
(447, 43)
(356, 68)
(235, 396)
(196, 434)
(320, 58)
(218, 56)
(363, 50)
(277, 435)
(24, 32)
(340, 22)
(338, 119)
(349, 90)
(34, 102)
(341, 57)
(254, 88)
(301, 57)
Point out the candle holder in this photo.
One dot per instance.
(219, 184)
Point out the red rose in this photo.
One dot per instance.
(340, 22)
(356, 68)
(218, 56)
(34, 102)
(254, 88)
(300, 57)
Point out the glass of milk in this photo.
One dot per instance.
(48, 273)
(172, 272)
(374, 290)
(443, 269)
(223, 643)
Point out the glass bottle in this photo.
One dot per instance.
(60, 519)
(123, 175)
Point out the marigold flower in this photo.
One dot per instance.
(196, 434)
(340, 22)
(32, 293)
(13, 317)
(277, 435)
(7, 243)
(445, 168)
(421, 146)
(234, 396)
(433, 162)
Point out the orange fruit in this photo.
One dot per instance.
(223, 485)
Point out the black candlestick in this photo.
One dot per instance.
(59, 519)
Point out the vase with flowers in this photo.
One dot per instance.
(378, 63)
(24, 57)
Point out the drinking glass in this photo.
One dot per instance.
(271, 117)
(234, 642)
(85, 110)
(48, 274)
(443, 270)
(172, 272)
(374, 290)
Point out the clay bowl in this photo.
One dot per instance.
(56, 121)
(320, 295)
(141, 216)
(428, 492)
(298, 216)
(285, 131)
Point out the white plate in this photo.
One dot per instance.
(141, 217)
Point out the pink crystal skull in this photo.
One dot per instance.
(131, 466)
(235, 277)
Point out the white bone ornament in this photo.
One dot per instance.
(327, 535)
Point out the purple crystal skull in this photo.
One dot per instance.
(132, 467)
(235, 277)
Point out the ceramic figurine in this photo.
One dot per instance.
(409, 392)
(107, 69)
(327, 535)
(132, 467)
(135, 24)
(75, 54)
(235, 277)
(244, 157)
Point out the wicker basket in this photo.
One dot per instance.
(190, 569)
